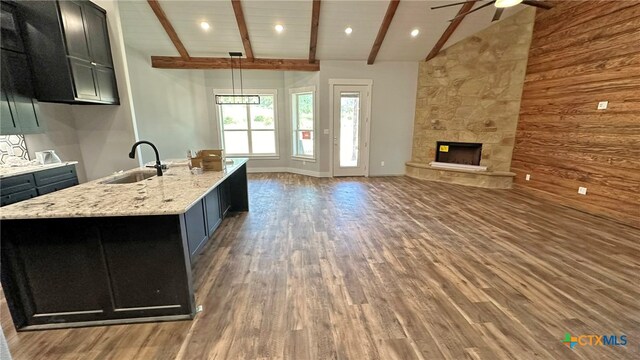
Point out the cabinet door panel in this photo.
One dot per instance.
(84, 79)
(9, 120)
(196, 228)
(107, 87)
(26, 107)
(146, 264)
(98, 36)
(73, 22)
(72, 291)
(8, 125)
(212, 207)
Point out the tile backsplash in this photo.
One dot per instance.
(12, 145)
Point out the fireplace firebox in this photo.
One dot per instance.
(458, 152)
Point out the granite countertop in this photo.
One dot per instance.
(7, 171)
(171, 194)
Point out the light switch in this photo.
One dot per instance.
(582, 190)
(326, 131)
(602, 105)
(528, 177)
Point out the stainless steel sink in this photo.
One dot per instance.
(132, 177)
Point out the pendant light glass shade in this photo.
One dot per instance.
(237, 99)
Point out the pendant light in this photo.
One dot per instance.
(234, 99)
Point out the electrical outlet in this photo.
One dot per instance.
(381, 163)
(528, 177)
(582, 190)
(326, 131)
(304, 163)
(602, 105)
(199, 308)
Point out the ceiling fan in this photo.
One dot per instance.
(499, 4)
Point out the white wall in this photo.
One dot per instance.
(393, 102)
(60, 135)
(171, 108)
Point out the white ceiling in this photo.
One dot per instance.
(142, 30)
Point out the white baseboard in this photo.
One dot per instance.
(251, 170)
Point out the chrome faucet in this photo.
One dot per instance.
(132, 155)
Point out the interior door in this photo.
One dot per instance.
(349, 129)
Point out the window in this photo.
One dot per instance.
(303, 117)
(250, 130)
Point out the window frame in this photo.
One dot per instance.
(293, 108)
(249, 130)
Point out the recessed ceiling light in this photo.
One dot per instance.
(415, 32)
(204, 25)
(279, 28)
(348, 30)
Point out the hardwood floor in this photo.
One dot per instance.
(388, 268)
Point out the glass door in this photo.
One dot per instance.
(349, 130)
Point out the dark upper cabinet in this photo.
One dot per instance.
(10, 34)
(19, 109)
(68, 43)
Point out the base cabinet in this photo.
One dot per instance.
(212, 210)
(94, 269)
(196, 228)
(23, 187)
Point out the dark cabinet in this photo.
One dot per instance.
(10, 34)
(74, 289)
(152, 246)
(19, 109)
(19, 105)
(225, 198)
(212, 210)
(27, 186)
(68, 42)
(74, 270)
(196, 228)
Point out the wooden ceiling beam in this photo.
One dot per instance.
(242, 26)
(168, 28)
(450, 29)
(315, 22)
(382, 32)
(175, 62)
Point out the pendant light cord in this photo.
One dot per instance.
(241, 87)
(233, 82)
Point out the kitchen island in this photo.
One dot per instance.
(115, 250)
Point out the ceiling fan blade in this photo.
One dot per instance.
(474, 10)
(454, 4)
(538, 4)
(497, 14)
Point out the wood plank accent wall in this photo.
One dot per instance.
(583, 53)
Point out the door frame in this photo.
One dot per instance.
(367, 129)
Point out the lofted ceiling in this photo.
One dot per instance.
(143, 31)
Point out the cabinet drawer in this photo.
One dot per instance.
(57, 186)
(16, 184)
(51, 176)
(7, 199)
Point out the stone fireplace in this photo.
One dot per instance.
(468, 104)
